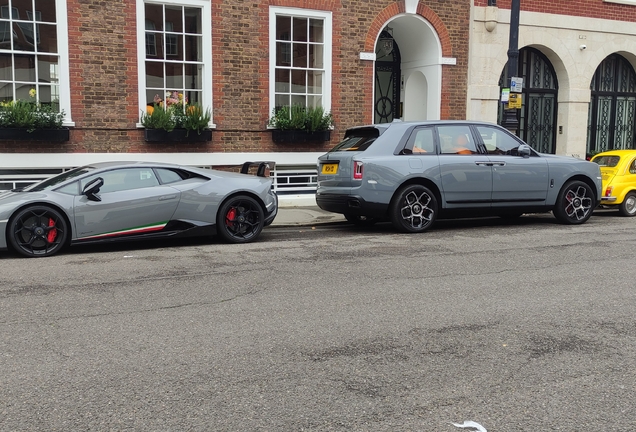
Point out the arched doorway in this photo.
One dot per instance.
(387, 79)
(538, 114)
(611, 122)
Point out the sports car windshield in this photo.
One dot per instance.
(56, 180)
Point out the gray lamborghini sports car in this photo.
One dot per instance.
(112, 201)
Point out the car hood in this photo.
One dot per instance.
(7, 194)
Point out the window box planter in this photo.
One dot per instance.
(299, 136)
(21, 134)
(177, 135)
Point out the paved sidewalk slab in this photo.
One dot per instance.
(305, 216)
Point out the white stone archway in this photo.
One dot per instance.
(421, 66)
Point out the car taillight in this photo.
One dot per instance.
(357, 170)
(608, 191)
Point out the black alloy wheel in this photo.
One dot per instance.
(575, 203)
(38, 231)
(413, 209)
(240, 219)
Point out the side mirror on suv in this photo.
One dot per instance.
(524, 150)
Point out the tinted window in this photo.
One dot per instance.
(421, 141)
(607, 161)
(497, 141)
(168, 176)
(353, 143)
(357, 140)
(124, 179)
(456, 139)
(70, 189)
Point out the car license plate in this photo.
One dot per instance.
(329, 169)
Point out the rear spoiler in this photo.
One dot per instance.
(263, 170)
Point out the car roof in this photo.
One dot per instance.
(124, 164)
(621, 152)
(398, 124)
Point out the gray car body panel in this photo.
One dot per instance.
(482, 181)
(194, 201)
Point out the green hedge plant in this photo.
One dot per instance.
(299, 117)
(192, 118)
(30, 115)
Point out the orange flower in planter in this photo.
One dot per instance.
(150, 109)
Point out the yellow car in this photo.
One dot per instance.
(618, 170)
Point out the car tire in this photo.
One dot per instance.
(413, 209)
(575, 203)
(38, 231)
(361, 221)
(628, 206)
(240, 219)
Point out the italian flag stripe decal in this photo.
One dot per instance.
(137, 230)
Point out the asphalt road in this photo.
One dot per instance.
(522, 325)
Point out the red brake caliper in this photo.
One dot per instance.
(50, 237)
(229, 218)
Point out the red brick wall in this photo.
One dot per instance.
(583, 8)
(104, 77)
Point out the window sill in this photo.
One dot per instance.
(627, 2)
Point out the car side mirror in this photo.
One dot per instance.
(92, 189)
(524, 150)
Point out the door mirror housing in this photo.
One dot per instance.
(524, 150)
(92, 189)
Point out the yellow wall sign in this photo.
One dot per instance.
(514, 100)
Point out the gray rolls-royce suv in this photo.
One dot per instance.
(414, 172)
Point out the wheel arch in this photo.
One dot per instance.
(624, 194)
(56, 207)
(588, 181)
(423, 182)
(244, 192)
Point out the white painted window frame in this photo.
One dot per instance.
(61, 27)
(206, 27)
(328, 61)
(627, 2)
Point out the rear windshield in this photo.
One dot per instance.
(607, 161)
(357, 140)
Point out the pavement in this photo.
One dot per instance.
(305, 216)
(302, 210)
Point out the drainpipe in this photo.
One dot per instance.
(510, 120)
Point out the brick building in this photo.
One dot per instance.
(364, 61)
(106, 60)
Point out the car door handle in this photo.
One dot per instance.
(498, 163)
(483, 163)
(167, 197)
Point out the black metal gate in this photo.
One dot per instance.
(387, 79)
(538, 114)
(611, 123)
